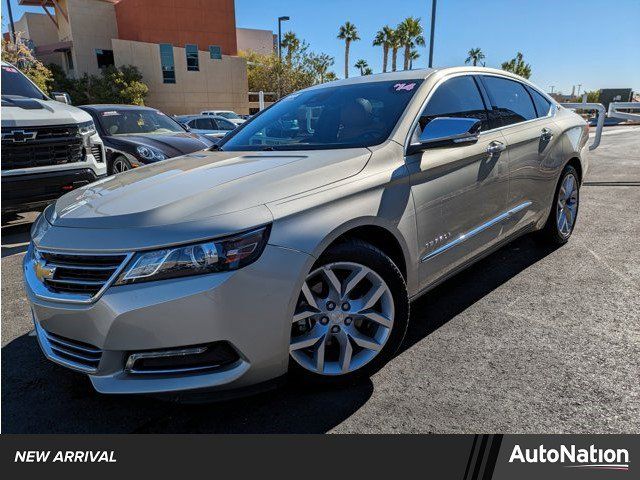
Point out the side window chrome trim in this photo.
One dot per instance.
(552, 111)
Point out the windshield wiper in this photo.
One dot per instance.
(214, 147)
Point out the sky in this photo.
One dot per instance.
(595, 43)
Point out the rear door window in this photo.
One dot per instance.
(204, 124)
(510, 101)
(457, 97)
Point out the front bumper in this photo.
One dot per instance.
(32, 191)
(250, 308)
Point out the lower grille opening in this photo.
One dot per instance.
(73, 351)
(196, 359)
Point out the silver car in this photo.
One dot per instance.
(207, 125)
(298, 242)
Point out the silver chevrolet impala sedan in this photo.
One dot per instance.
(298, 242)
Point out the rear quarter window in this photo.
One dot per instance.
(542, 104)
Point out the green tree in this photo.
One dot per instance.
(413, 55)
(474, 56)
(395, 42)
(593, 96)
(320, 65)
(367, 71)
(349, 33)
(361, 65)
(518, 66)
(20, 55)
(122, 85)
(292, 43)
(410, 33)
(384, 38)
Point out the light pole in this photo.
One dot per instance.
(433, 28)
(280, 20)
(12, 27)
(578, 94)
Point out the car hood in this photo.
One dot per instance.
(29, 112)
(172, 144)
(202, 185)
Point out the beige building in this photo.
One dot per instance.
(188, 55)
(219, 84)
(259, 41)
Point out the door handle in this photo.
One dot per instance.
(496, 147)
(546, 134)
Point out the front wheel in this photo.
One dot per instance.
(119, 164)
(351, 316)
(564, 211)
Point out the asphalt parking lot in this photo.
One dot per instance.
(529, 340)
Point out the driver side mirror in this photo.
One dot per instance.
(61, 97)
(447, 131)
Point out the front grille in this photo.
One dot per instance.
(79, 274)
(96, 151)
(51, 146)
(78, 355)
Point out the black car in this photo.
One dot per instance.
(135, 136)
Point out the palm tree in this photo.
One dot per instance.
(413, 55)
(361, 65)
(291, 42)
(384, 38)
(349, 33)
(395, 42)
(410, 35)
(518, 66)
(475, 55)
(367, 71)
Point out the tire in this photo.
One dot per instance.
(119, 164)
(361, 271)
(555, 231)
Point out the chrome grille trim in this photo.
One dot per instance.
(77, 356)
(77, 270)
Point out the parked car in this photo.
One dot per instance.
(135, 136)
(228, 114)
(299, 250)
(48, 146)
(207, 125)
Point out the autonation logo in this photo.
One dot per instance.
(592, 457)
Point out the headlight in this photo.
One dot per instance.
(87, 128)
(149, 153)
(229, 253)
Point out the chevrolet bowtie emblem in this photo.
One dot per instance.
(42, 271)
(19, 136)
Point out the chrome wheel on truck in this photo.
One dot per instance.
(345, 317)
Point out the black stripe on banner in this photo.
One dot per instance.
(493, 457)
(473, 449)
(480, 457)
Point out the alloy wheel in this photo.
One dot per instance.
(120, 166)
(567, 206)
(343, 319)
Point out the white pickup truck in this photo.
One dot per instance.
(48, 147)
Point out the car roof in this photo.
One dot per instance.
(418, 74)
(193, 117)
(104, 107)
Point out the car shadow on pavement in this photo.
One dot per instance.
(446, 301)
(15, 238)
(41, 397)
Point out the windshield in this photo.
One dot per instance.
(230, 115)
(345, 116)
(15, 83)
(137, 122)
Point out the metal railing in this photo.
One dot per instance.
(601, 114)
(614, 108)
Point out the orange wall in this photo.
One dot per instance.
(179, 22)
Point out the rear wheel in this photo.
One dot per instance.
(564, 211)
(351, 316)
